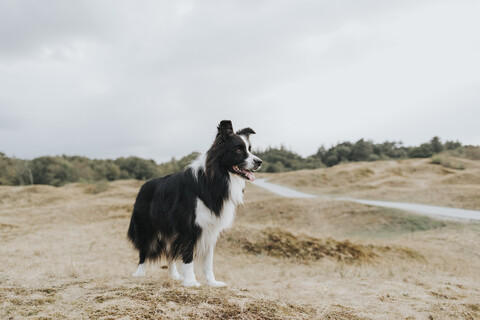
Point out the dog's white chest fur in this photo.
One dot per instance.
(211, 224)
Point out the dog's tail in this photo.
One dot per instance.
(139, 223)
(131, 229)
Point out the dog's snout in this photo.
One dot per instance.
(257, 162)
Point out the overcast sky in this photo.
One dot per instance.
(107, 79)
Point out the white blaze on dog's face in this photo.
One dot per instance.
(238, 158)
(252, 162)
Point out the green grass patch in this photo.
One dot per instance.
(393, 222)
(447, 162)
(97, 187)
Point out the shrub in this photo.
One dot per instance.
(281, 159)
(138, 168)
(437, 159)
(55, 171)
(361, 150)
(423, 151)
(447, 162)
(97, 187)
(472, 152)
(452, 145)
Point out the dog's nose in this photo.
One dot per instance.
(258, 162)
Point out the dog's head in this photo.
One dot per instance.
(232, 152)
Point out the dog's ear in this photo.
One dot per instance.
(246, 132)
(225, 128)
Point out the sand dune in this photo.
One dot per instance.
(411, 180)
(64, 252)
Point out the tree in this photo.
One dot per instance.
(138, 168)
(361, 150)
(436, 144)
(452, 145)
(55, 171)
(423, 151)
(7, 170)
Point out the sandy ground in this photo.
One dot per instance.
(411, 180)
(64, 255)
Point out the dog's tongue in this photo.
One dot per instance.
(250, 175)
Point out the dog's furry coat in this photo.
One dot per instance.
(180, 216)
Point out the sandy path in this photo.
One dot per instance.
(436, 211)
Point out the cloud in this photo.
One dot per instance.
(109, 79)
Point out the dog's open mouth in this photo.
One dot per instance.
(244, 173)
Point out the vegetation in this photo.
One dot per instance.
(447, 162)
(14, 171)
(60, 170)
(281, 160)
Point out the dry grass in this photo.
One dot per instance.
(64, 255)
(279, 243)
(144, 300)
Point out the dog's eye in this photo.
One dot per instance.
(238, 150)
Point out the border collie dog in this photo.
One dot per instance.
(180, 216)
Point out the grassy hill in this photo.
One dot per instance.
(65, 253)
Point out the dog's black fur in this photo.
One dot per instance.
(163, 218)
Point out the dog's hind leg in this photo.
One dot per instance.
(172, 268)
(141, 270)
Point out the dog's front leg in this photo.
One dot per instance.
(208, 269)
(188, 275)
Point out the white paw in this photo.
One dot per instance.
(176, 276)
(191, 283)
(139, 273)
(215, 283)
